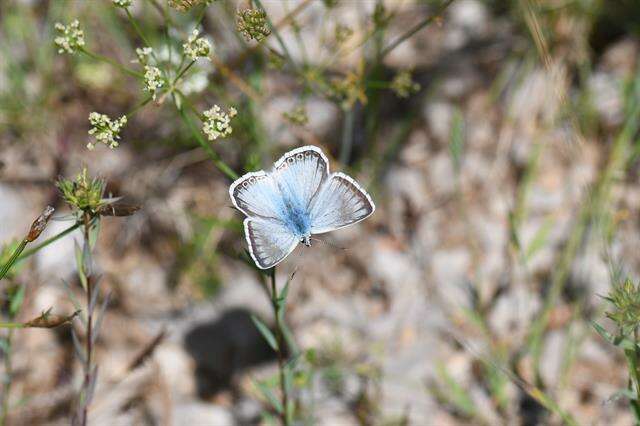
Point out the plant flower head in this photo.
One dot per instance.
(625, 298)
(105, 130)
(122, 3)
(403, 85)
(217, 123)
(70, 37)
(197, 47)
(152, 80)
(83, 193)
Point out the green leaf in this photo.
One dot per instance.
(16, 301)
(454, 392)
(619, 341)
(266, 392)
(266, 333)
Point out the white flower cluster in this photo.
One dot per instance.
(105, 130)
(217, 123)
(122, 3)
(143, 54)
(196, 47)
(70, 37)
(152, 79)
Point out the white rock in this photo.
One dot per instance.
(200, 413)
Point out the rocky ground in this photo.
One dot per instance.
(424, 293)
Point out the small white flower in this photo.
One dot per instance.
(143, 55)
(152, 80)
(217, 123)
(122, 3)
(196, 47)
(105, 130)
(70, 37)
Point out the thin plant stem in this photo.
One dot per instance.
(139, 106)
(112, 62)
(413, 30)
(347, 136)
(276, 33)
(89, 338)
(281, 347)
(51, 240)
(219, 163)
(8, 371)
(13, 259)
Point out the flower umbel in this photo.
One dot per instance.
(252, 23)
(84, 193)
(143, 54)
(122, 3)
(217, 123)
(196, 47)
(403, 85)
(152, 80)
(105, 130)
(70, 37)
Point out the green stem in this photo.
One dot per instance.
(139, 106)
(277, 35)
(53, 239)
(284, 415)
(14, 257)
(12, 325)
(420, 25)
(112, 62)
(221, 165)
(182, 73)
(347, 136)
(8, 371)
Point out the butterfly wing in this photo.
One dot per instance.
(256, 195)
(300, 173)
(340, 202)
(269, 241)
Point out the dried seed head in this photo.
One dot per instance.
(252, 23)
(39, 224)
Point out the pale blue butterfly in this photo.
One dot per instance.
(298, 198)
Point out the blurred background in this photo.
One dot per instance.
(499, 140)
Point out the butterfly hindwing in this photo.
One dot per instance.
(341, 202)
(269, 241)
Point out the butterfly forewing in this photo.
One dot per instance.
(341, 202)
(269, 242)
(256, 195)
(300, 174)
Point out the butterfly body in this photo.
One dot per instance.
(297, 198)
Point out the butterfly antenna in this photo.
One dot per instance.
(329, 244)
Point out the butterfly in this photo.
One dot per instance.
(296, 199)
